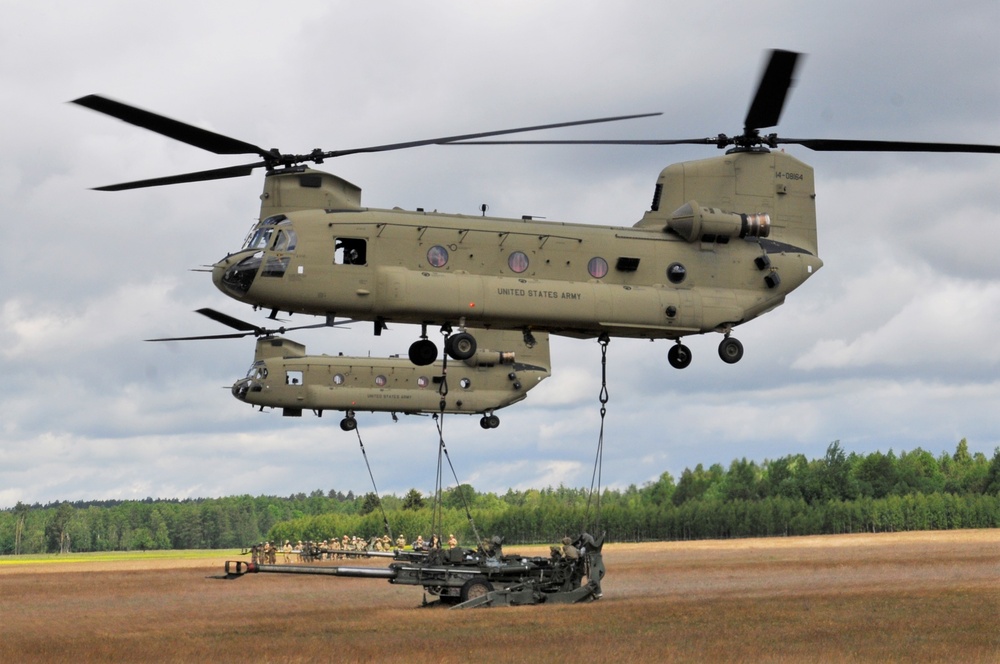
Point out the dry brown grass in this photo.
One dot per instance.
(906, 597)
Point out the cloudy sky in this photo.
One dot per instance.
(891, 345)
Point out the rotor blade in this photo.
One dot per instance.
(235, 335)
(765, 109)
(850, 145)
(180, 131)
(200, 176)
(465, 137)
(613, 141)
(229, 321)
(249, 328)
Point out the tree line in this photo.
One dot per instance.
(792, 495)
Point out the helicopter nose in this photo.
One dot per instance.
(243, 387)
(240, 389)
(234, 275)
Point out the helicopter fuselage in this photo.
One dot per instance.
(501, 373)
(727, 239)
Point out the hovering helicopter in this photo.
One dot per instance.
(283, 376)
(724, 241)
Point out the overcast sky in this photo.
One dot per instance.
(892, 345)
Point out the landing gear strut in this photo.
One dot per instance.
(349, 423)
(490, 421)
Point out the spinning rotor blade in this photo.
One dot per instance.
(466, 137)
(200, 176)
(179, 131)
(765, 109)
(849, 145)
(246, 329)
(219, 144)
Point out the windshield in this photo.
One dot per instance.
(260, 236)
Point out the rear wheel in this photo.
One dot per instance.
(461, 346)
(474, 588)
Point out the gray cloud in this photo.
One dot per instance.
(887, 346)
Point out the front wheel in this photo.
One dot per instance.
(679, 356)
(423, 352)
(731, 350)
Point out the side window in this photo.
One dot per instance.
(293, 378)
(350, 251)
(286, 240)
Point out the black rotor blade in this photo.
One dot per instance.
(235, 335)
(200, 176)
(249, 328)
(180, 131)
(850, 145)
(612, 141)
(246, 329)
(229, 321)
(465, 137)
(765, 109)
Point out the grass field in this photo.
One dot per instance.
(892, 597)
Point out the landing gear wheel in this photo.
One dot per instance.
(348, 423)
(460, 346)
(731, 350)
(489, 422)
(679, 356)
(474, 588)
(423, 352)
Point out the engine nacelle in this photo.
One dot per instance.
(489, 358)
(696, 223)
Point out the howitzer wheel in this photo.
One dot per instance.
(475, 588)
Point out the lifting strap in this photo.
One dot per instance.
(595, 478)
(437, 518)
(385, 520)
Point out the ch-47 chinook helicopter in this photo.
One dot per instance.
(725, 240)
(499, 374)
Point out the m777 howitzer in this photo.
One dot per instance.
(469, 578)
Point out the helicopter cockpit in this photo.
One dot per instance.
(250, 383)
(275, 234)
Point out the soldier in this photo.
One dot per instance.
(287, 551)
(401, 541)
(452, 542)
(569, 550)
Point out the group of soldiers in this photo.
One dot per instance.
(266, 553)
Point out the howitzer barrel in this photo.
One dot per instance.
(237, 568)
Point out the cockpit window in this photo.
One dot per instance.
(286, 240)
(260, 236)
(258, 371)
